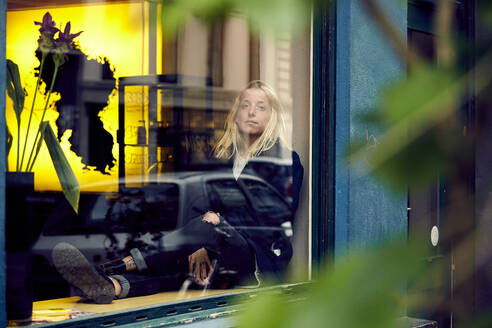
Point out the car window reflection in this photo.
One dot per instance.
(110, 224)
(225, 194)
(266, 200)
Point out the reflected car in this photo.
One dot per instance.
(277, 171)
(109, 224)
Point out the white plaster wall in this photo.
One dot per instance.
(236, 54)
(192, 49)
(301, 127)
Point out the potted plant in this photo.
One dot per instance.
(58, 47)
(20, 180)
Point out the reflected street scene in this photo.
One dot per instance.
(228, 225)
(142, 162)
(109, 225)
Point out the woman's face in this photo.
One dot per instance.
(253, 114)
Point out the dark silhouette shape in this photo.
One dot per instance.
(84, 85)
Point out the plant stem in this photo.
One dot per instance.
(18, 143)
(29, 163)
(32, 108)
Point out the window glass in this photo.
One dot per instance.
(150, 208)
(225, 194)
(191, 152)
(266, 200)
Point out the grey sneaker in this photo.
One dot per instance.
(76, 269)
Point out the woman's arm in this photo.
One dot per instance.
(200, 267)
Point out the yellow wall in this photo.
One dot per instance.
(114, 31)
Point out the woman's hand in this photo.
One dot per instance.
(200, 266)
(211, 217)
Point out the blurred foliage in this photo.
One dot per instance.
(416, 145)
(365, 289)
(277, 16)
(422, 138)
(486, 13)
(419, 139)
(421, 116)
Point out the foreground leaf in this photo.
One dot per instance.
(420, 139)
(365, 289)
(278, 16)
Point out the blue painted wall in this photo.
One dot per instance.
(3, 18)
(365, 211)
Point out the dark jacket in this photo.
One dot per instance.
(262, 223)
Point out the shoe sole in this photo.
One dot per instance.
(76, 269)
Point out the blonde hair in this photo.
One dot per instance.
(232, 142)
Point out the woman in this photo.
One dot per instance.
(221, 250)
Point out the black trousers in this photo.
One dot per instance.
(166, 268)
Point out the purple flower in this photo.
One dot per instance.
(47, 25)
(63, 44)
(66, 37)
(46, 43)
(59, 53)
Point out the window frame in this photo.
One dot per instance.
(323, 133)
(323, 40)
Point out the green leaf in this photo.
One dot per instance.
(366, 288)
(419, 139)
(416, 163)
(14, 88)
(278, 16)
(486, 13)
(427, 94)
(370, 117)
(39, 140)
(174, 16)
(9, 141)
(68, 180)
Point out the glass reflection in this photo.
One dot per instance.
(222, 228)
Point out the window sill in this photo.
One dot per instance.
(163, 309)
(216, 308)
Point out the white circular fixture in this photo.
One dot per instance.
(434, 236)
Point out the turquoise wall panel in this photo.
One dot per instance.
(365, 211)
